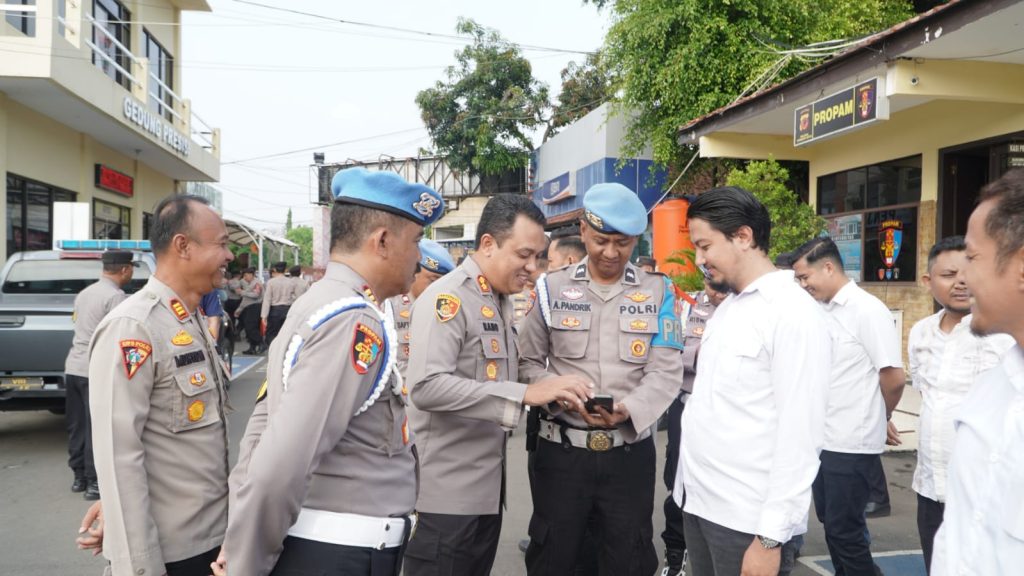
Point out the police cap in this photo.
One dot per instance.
(435, 258)
(387, 191)
(614, 209)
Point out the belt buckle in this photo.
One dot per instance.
(599, 441)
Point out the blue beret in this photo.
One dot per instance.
(614, 209)
(387, 191)
(435, 258)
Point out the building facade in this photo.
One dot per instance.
(91, 112)
(900, 133)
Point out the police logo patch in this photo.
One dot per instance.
(134, 353)
(487, 312)
(485, 286)
(492, 370)
(571, 322)
(638, 348)
(572, 293)
(178, 308)
(638, 297)
(426, 205)
(495, 346)
(638, 325)
(446, 306)
(366, 348)
(196, 410)
(197, 379)
(182, 338)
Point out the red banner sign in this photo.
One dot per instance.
(110, 179)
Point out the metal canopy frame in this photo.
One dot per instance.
(243, 235)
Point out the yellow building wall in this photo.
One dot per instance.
(35, 146)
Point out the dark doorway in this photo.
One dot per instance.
(965, 173)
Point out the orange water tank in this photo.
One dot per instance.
(671, 234)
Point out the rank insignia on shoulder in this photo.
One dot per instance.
(638, 325)
(485, 286)
(572, 293)
(638, 348)
(182, 338)
(630, 275)
(366, 348)
(495, 346)
(571, 322)
(487, 311)
(180, 312)
(134, 353)
(492, 370)
(581, 272)
(197, 379)
(368, 292)
(196, 410)
(638, 297)
(446, 306)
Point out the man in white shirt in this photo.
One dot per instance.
(983, 528)
(945, 362)
(866, 383)
(754, 425)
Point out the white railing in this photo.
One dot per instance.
(96, 50)
(202, 132)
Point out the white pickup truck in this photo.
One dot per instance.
(37, 295)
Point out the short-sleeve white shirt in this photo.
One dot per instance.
(864, 341)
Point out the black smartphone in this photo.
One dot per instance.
(603, 400)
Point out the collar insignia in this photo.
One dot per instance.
(485, 286)
(179, 309)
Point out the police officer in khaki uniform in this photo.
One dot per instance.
(278, 296)
(158, 405)
(697, 310)
(91, 305)
(464, 384)
(326, 477)
(609, 322)
(435, 262)
(298, 283)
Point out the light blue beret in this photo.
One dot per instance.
(614, 209)
(386, 190)
(435, 258)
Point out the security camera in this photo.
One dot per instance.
(914, 80)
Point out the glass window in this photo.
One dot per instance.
(24, 22)
(894, 183)
(112, 24)
(161, 65)
(110, 221)
(63, 276)
(30, 213)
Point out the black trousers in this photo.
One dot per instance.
(929, 518)
(675, 540)
(251, 322)
(840, 493)
(302, 557)
(275, 320)
(879, 487)
(718, 551)
(76, 416)
(231, 305)
(194, 566)
(453, 545)
(614, 489)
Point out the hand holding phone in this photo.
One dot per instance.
(603, 400)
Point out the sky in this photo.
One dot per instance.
(280, 85)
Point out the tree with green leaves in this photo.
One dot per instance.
(479, 117)
(288, 222)
(303, 236)
(676, 60)
(584, 87)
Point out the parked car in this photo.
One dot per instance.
(37, 295)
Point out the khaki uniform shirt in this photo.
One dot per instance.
(252, 292)
(463, 378)
(628, 345)
(91, 305)
(278, 292)
(332, 433)
(299, 286)
(401, 307)
(696, 320)
(158, 401)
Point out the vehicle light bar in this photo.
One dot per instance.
(103, 245)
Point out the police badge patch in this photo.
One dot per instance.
(366, 347)
(446, 306)
(134, 353)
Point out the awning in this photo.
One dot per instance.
(243, 235)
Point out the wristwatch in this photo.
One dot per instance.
(768, 543)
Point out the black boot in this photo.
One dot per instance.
(79, 484)
(92, 491)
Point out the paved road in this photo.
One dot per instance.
(39, 516)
